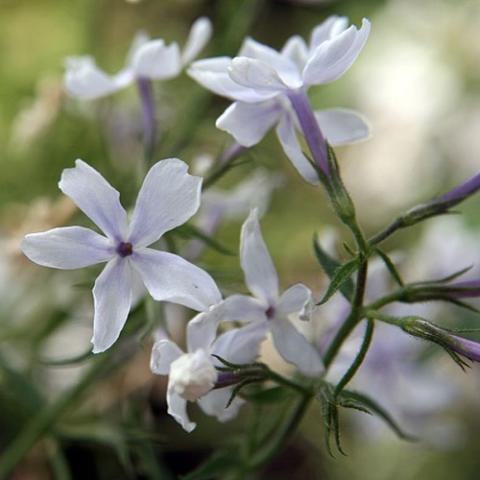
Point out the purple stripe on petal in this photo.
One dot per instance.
(465, 347)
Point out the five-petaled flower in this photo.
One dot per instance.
(168, 198)
(192, 375)
(269, 86)
(148, 59)
(268, 307)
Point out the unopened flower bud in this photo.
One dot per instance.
(192, 375)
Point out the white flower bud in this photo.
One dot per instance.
(192, 375)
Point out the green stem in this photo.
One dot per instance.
(358, 359)
(289, 383)
(41, 422)
(384, 234)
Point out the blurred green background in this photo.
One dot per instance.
(418, 83)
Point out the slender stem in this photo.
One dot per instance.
(224, 164)
(147, 99)
(384, 234)
(395, 296)
(358, 359)
(310, 128)
(288, 383)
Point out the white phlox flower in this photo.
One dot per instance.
(268, 307)
(192, 374)
(151, 59)
(260, 81)
(168, 197)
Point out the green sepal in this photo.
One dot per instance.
(390, 266)
(340, 277)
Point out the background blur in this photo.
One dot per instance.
(418, 83)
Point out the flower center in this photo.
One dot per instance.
(125, 249)
(270, 312)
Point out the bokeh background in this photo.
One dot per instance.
(417, 82)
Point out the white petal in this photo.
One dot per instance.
(177, 408)
(170, 278)
(240, 345)
(285, 68)
(214, 403)
(240, 308)
(212, 73)
(67, 248)
(296, 50)
(83, 79)
(342, 126)
(202, 329)
(96, 198)
(288, 139)
(140, 39)
(295, 348)
(255, 74)
(260, 274)
(168, 198)
(334, 57)
(164, 352)
(328, 29)
(249, 122)
(156, 60)
(199, 35)
(295, 300)
(112, 296)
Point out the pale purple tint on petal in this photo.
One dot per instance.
(465, 347)
(295, 299)
(462, 191)
(214, 403)
(164, 352)
(112, 296)
(342, 126)
(169, 277)
(296, 50)
(240, 308)
(168, 198)
(202, 329)
(256, 74)
(198, 38)
(328, 29)
(158, 61)
(96, 198)
(67, 248)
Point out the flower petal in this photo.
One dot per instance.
(249, 122)
(112, 296)
(156, 60)
(169, 277)
(67, 248)
(200, 34)
(83, 79)
(212, 73)
(255, 74)
(164, 352)
(202, 329)
(240, 345)
(168, 198)
(334, 57)
(260, 274)
(295, 300)
(285, 68)
(296, 50)
(331, 27)
(240, 308)
(96, 198)
(177, 408)
(295, 348)
(342, 126)
(214, 403)
(288, 139)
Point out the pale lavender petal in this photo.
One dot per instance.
(214, 403)
(168, 198)
(240, 308)
(112, 296)
(249, 122)
(170, 278)
(202, 329)
(96, 198)
(256, 75)
(199, 35)
(334, 57)
(177, 408)
(241, 345)
(295, 348)
(212, 73)
(288, 139)
(296, 50)
(156, 60)
(295, 300)
(328, 29)
(342, 126)
(67, 248)
(260, 274)
(164, 352)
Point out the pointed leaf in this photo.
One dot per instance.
(340, 277)
(390, 266)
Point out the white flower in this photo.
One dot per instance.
(192, 375)
(262, 82)
(152, 59)
(268, 307)
(168, 198)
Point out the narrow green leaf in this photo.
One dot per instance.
(390, 266)
(340, 277)
(190, 231)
